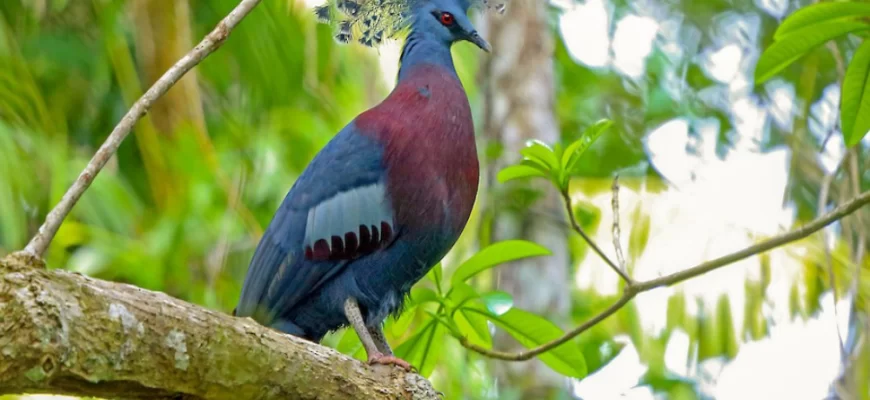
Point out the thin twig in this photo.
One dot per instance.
(862, 215)
(39, 244)
(848, 346)
(841, 73)
(634, 289)
(614, 203)
(774, 242)
(528, 354)
(829, 264)
(567, 200)
(838, 59)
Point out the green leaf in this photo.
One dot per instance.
(536, 164)
(473, 326)
(460, 293)
(519, 171)
(726, 327)
(797, 43)
(855, 97)
(814, 285)
(794, 302)
(402, 324)
(498, 302)
(639, 235)
(349, 343)
(683, 391)
(423, 349)
(532, 330)
(446, 322)
(821, 12)
(676, 310)
(537, 150)
(709, 339)
(754, 321)
(558, 150)
(497, 253)
(587, 214)
(574, 152)
(420, 295)
(436, 275)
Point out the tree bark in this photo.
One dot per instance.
(64, 333)
(519, 96)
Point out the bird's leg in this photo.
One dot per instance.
(378, 336)
(354, 316)
(375, 355)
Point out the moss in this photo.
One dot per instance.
(96, 369)
(35, 374)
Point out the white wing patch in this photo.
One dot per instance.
(349, 223)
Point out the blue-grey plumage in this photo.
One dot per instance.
(281, 275)
(380, 204)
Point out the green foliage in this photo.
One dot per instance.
(497, 253)
(168, 213)
(462, 311)
(556, 164)
(813, 26)
(574, 151)
(423, 349)
(639, 235)
(457, 308)
(473, 326)
(178, 211)
(855, 101)
(834, 11)
(794, 45)
(532, 330)
(520, 171)
(754, 322)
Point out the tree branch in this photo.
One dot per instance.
(528, 354)
(769, 244)
(39, 244)
(567, 200)
(614, 204)
(64, 333)
(634, 289)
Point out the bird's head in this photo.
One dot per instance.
(369, 22)
(447, 21)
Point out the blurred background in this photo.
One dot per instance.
(708, 163)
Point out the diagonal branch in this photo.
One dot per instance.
(39, 244)
(567, 199)
(634, 289)
(528, 354)
(64, 333)
(838, 213)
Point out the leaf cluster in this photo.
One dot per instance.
(809, 28)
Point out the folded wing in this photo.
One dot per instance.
(337, 211)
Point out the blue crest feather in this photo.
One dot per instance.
(369, 22)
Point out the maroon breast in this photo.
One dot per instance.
(430, 153)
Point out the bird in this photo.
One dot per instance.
(386, 198)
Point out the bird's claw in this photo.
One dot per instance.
(391, 360)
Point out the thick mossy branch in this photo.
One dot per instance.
(65, 333)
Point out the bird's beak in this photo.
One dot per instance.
(475, 38)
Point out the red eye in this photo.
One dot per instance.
(446, 19)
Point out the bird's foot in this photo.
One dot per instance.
(384, 359)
